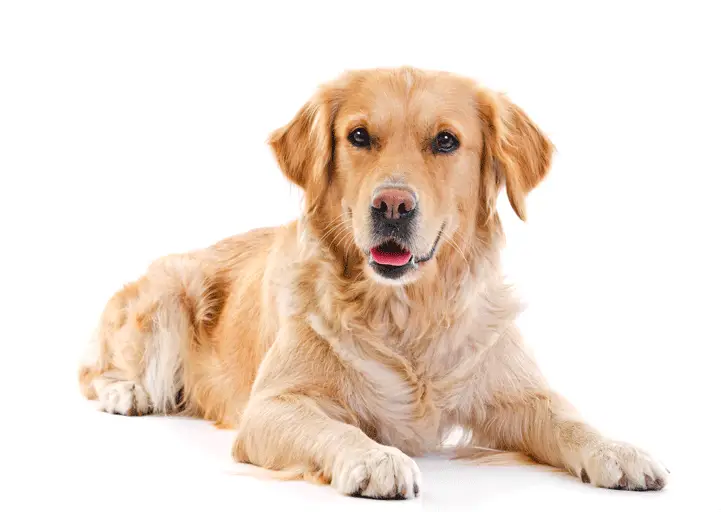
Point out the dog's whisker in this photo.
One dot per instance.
(453, 244)
(342, 232)
(335, 226)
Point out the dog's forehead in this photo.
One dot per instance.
(405, 97)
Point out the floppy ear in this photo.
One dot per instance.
(519, 153)
(304, 147)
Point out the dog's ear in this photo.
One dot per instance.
(304, 147)
(517, 153)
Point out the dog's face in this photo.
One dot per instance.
(403, 162)
(407, 156)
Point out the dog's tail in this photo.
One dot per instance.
(292, 473)
(490, 457)
(474, 454)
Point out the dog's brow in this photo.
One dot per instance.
(357, 119)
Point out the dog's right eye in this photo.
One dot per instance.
(360, 138)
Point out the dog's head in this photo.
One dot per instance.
(397, 164)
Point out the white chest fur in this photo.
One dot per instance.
(410, 382)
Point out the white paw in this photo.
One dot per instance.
(617, 465)
(124, 397)
(381, 473)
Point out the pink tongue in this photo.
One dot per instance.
(396, 259)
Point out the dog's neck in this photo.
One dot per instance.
(465, 268)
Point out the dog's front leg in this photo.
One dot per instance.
(295, 420)
(518, 412)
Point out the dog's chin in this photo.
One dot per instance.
(394, 275)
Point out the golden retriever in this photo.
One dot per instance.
(363, 333)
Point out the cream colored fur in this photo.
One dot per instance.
(329, 372)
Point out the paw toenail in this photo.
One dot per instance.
(584, 477)
(623, 482)
(653, 485)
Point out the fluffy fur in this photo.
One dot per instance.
(329, 371)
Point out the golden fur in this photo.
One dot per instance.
(329, 371)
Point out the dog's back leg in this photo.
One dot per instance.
(134, 363)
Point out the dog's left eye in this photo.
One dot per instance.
(445, 142)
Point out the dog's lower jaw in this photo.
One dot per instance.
(403, 274)
(392, 273)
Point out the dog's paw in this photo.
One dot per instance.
(124, 397)
(615, 465)
(381, 473)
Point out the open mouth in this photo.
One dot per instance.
(392, 260)
(391, 253)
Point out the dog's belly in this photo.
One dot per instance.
(222, 367)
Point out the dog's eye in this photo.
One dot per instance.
(360, 138)
(445, 142)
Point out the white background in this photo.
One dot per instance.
(129, 130)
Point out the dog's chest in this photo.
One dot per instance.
(408, 399)
(412, 364)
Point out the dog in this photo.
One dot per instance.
(376, 324)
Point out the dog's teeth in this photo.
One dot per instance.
(370, 258)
